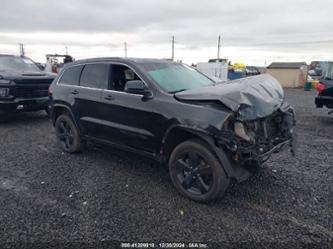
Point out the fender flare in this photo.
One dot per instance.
(231, 169)
(67, 108)
(209, 139)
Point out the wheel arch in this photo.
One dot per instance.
(59, 109)
(175, 135)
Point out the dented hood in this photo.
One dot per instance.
(251, 98)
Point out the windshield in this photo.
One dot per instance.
(176, 77)
(11, 63)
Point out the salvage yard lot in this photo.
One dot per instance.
(106, 194)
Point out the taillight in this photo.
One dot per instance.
(320, 87)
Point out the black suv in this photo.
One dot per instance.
(23, 86)
(325, 93)
(208, 133)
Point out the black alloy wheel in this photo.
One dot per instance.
(67, 134)
(196, 172)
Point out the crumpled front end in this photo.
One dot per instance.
(260, 123)
(256, 140)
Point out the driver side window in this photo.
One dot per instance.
(120, 74)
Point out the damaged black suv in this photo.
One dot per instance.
(207, 132)
(23, 86)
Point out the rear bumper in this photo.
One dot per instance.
(24, 104)
(321, 101)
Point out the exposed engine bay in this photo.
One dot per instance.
(256, 140)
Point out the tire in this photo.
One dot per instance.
(196, 172)
(68, 134)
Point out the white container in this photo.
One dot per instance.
(215, 70)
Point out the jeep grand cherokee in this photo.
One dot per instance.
(207, 132)
(23, 86)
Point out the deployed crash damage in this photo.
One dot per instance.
(261, 122)
(207, 133)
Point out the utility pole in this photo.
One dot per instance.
(218, 47)
(125, 49)
(66, 49)
(173, 48)
(22, 53)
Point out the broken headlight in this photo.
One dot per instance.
(240, 131)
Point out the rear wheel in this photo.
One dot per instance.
(68, 134)
(196, 172)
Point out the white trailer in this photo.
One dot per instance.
(218, 71)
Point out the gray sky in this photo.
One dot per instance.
(255, 32)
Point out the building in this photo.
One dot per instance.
(289, 74)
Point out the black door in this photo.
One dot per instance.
(128, 118)
(93, 80)
(69, 82)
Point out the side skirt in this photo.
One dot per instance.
(153, 156)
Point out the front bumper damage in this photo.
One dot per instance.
(262, 157)
(259, 124)
(237, 167)
(243, 155)
(269, 135)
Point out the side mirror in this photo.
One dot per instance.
(138, 87)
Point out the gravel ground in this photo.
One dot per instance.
(48, 197)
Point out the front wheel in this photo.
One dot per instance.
(68, 134)
(196, 172)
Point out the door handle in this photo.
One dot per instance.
(75, 92)
(109, 97)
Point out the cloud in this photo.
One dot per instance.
(147, 25)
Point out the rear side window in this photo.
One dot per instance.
(95, 76)
(71, 76)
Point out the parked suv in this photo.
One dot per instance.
(208, 133)
(325, 93)
(23, 86)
